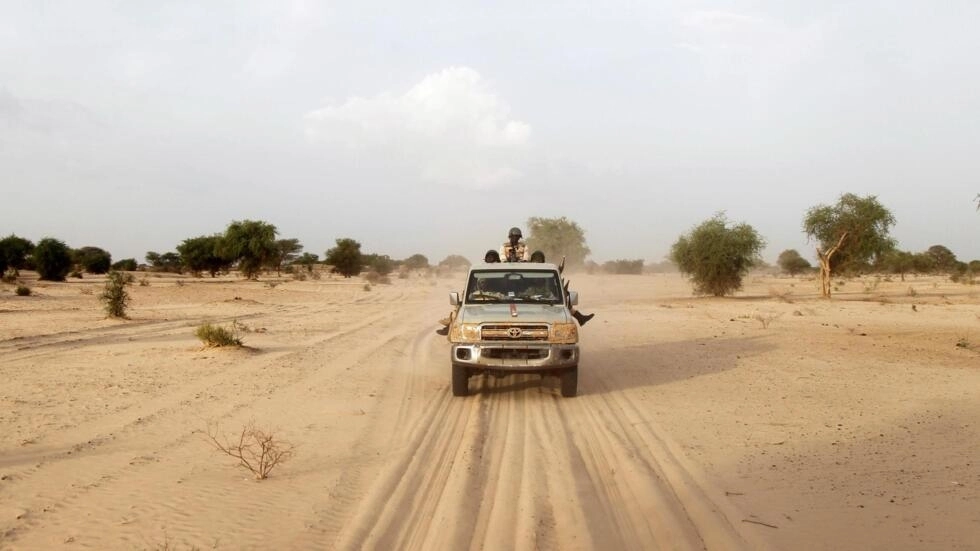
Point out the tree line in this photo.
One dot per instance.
(851, 237)
(250, 246)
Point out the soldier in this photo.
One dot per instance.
(491, 257)
(514, 250)
(581, 318)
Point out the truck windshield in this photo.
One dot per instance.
(501, 287)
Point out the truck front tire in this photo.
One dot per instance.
(461, 381)
(569, 382)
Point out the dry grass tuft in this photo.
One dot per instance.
(215, 335)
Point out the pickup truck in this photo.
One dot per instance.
(514, 318)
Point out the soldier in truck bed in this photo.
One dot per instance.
(514, 250)
(581, 318)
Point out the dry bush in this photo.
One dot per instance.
(179, 283)
(215, 335)
(299, 276)
(23, 291)
(372, 277)
(10, 276)
(367, 286)
(144, 282)
(911, 292)
(257, 450)
(765, 318)
(784, 295)
(272, 284)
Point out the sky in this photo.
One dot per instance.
(433, 127)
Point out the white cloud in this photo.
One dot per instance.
(451, 127)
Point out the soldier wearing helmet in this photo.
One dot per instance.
(514, 250)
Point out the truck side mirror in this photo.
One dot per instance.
(573, 298)
(454, 299)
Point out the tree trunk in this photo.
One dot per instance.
(824, 275)
(824, 258)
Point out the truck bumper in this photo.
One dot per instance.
(515, 357)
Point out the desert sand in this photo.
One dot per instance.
(772, 419)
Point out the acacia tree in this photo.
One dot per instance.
(203, 254)
(848, 233)
(52, 259)
(286, 252)
(166, 262)
(716, 256)
(899, 262)
(381, 263)
(416, 262)
(557, 238)
(252, 243)
(13, 252)
(345, 257)
(944, 258)
(308, 260)
(454, 262)
(93, 259)
(792, 263)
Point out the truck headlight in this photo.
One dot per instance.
(462, 332)
(565, 333)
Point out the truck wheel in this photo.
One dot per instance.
(569, 382)
(461, 381)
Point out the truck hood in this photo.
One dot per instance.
(526, 313)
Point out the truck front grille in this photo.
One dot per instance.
(515, 353)
(514, 333)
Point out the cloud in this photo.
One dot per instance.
(451, 128)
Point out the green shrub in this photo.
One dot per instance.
(215, 335)
(93, 259)
(114, 296)
(716, 256)
(624, 266)
(52, 259)
(126, 265)
(23, 291)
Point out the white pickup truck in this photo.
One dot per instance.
(514, 318)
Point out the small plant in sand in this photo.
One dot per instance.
(144, 282)
(964, 343)
(765, 318)
(367, 286)
(257, 450)
(23, 291)
(216, 335)
(114, 296)
(911, 292)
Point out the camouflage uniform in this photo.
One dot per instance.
(515, 253)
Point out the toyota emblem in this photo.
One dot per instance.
(514, 332)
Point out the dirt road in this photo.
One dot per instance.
(102, 444)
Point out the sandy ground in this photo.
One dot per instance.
(772, 420)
